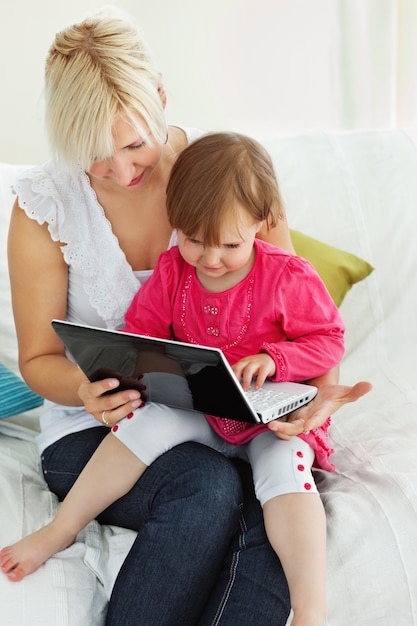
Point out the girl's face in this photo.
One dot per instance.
(133, 161)
(219, 268)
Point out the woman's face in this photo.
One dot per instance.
(134, 158)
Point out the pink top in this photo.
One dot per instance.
(282, 307)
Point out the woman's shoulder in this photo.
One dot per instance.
(194, 133)
(41, 181)
(45, 171)
(51, 196)
(36, 192)
(191, 134)
(44, 190)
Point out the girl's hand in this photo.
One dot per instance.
(257, 366)
(328, 400)
(108, 408)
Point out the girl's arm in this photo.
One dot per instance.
(310, 321)
(331, 396)
(280, 237)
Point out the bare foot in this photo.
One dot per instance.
(26, 555)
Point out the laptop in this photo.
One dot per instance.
(212, 386)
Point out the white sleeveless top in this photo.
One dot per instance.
(101, 281)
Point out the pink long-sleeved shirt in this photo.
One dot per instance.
(281, 307)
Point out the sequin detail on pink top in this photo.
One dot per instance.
(213, 311)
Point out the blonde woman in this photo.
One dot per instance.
(86, 231)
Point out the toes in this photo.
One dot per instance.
(6, 561)
(10, 567)
(16, 574)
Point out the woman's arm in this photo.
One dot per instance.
(279, 236)
(39, 283)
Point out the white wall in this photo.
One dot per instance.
(255, 67)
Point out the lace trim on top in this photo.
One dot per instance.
(76, 219)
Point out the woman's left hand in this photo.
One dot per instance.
(329, 399)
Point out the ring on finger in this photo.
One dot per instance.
(103, 419)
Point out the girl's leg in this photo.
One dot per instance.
(294, 519)
(296, 527)
(156, 428)
(110, 473)
(112, 470)
(116, 465)
(251, 587)
(188, 501)
(187, 510)
(219, 570)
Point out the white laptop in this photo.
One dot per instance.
(214, 388)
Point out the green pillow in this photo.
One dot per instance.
(15, 395)
(339, 270)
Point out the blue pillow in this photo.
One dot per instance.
(15, 395)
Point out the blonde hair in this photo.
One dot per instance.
(98, 70)
(214, 174)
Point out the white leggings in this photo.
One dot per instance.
(279, 466)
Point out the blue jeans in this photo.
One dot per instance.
(200, 557)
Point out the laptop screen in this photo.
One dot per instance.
(177, 374)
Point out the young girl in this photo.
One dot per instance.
(273, 318)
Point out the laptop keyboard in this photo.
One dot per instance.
(262, 399)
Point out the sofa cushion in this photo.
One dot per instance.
(15, 395)
(339, 270)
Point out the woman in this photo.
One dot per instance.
(92, 227)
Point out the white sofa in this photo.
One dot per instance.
(356, 191)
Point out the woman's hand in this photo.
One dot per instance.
(108, 408)
(329, 399)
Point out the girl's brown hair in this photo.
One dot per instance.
(212, 176)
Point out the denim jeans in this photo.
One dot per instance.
(201, 556)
